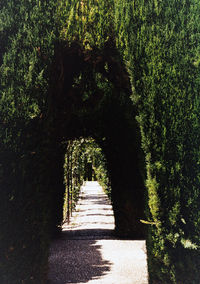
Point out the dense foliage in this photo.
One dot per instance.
(159, 41)
(62, 76)
(27, 32)
(88, 22)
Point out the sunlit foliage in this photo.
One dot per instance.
(159, 41)
(88, 22)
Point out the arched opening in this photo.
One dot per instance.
(87, 94)
(84, 161)
(90, 96)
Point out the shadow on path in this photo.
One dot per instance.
(89, 251)
(73, 261)
(84, 234)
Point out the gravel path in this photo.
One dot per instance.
(87, 251)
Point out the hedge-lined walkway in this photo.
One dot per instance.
(87, 251)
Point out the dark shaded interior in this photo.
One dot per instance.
(90, 97)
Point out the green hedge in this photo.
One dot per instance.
(159, 41)
(159, 44)
(27, 33)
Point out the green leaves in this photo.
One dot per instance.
(27, 38)
(158, 40)
(87, 22)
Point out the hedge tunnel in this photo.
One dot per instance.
(106, 115)
(125, 73)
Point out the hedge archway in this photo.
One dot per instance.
(107, 114)
(60, 63)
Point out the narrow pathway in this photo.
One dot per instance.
(89, 253)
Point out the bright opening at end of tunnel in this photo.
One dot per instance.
(93, 211)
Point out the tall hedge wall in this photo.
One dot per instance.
(27, 33)
(160, 43)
